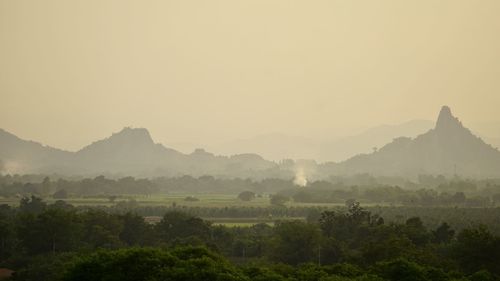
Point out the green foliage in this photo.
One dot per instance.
(32, 205)
(246, 196)
(482, 275)
(46, 267)
(295, 242)
(350, 244)
(477, 249)
(6, 236)
(403, 270)
(415, 230)
(51, 231)
(135, 230)
(262, 273)
(279, 199)
(60, 194)
(183, 264)
(443, 234)
(177, 225)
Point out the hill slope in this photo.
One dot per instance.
(447, 149)
(128, 152)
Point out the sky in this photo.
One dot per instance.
(72, 72)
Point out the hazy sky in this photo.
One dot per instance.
(205, 71)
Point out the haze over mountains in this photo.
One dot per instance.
(128, 152)
(447, 149)
(279, 146)
(332, 147)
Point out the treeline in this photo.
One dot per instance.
(57, 242)
(459, 218)
(100, 185)
(454, 192)
(393, 195)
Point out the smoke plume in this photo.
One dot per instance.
(300, 177)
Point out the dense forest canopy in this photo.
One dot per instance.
(60, 242)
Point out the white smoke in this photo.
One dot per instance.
(12, 167)
(300, 177)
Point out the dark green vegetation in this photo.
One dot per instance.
(60, 242)
(434, 228)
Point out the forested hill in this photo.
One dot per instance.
(448, 149)
(130, 152)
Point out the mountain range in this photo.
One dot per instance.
(277, 146)
(449, 148)
(128, 152)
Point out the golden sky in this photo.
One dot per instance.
(205, 71)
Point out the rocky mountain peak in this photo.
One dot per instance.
(446, 121)
(133, 135)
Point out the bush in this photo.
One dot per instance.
(279, 199)
(60, 194)
(246, 196)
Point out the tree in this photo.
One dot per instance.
(51, 231)
(46, 186)
(189, 264)
(191, 199)
(246, 196)
(443, 234)
(45, 267)
(416, 231)
(178, 225)
(476, 249)
(403, 270)
(344, 226)
(279, 199)
(6, 233)
(60, 194)
(303, 197)
(34, 205)
(101, 230)
(135, 230)
(296, 242)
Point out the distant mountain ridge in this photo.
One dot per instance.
(21, 155)
(131, 151)
(343, 148)
(449, 148)
(277, 146)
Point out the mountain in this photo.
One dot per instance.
(279, 146)
(22, 156)
(495, 142)
(449, 148)
(275, 146)
(343, 148)
(130, 152)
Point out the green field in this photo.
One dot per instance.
(204, 200)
